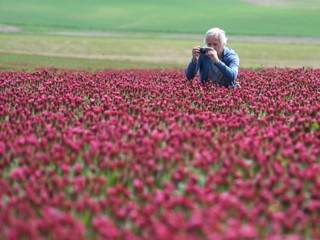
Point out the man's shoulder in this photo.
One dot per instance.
(229, 53)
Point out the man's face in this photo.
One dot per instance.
(214, 42)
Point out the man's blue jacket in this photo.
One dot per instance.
(228, 65)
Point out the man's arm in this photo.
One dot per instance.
(191, 70)
(230, 69)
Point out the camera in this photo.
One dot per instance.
(203, 50)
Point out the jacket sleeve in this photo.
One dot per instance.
(230, 69)
(191, 70)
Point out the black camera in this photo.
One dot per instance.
(203, 50)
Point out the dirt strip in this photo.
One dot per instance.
(256, 39)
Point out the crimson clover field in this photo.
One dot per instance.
(145, 154)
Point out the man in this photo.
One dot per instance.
(216, 63)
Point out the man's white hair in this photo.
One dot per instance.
(219, 32)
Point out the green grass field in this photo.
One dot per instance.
(292, 18)
(29, 52)
(152, 34)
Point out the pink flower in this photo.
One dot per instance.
(138, 185)
(77, 169)
(105, 228)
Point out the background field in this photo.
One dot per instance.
(152, 34)
(281, 18)
(91, 53)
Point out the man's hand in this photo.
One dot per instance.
(213, 55)
(195, 53)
